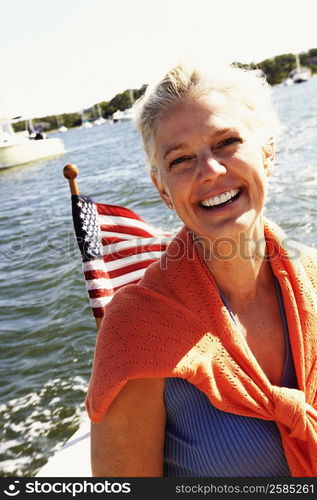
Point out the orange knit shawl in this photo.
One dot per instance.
(174, 324)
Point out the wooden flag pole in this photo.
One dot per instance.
(98, 322)
(70, 171)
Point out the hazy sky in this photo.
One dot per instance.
(62, 55)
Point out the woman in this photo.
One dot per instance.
(207, 367)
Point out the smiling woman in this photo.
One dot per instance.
(207, 367)
(214, 155)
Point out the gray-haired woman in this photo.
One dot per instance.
(207, 367)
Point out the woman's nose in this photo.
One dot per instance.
(210, 168)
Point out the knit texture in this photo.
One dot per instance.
(174, 324)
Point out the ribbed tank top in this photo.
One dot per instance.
(202, 441)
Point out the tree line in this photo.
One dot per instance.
(276, 70)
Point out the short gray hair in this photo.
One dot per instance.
(247, 87)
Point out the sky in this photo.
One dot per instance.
(60, 56)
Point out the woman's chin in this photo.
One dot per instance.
(244, 224)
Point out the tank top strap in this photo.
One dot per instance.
(289, 375)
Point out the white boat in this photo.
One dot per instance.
(125, 115)
(117, 115)
(60, 125)
(16, 149)
(86, 124)
(100, 120)
(288, 82)
(72, 459)
(300, 74)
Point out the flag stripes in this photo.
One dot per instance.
(116, 246)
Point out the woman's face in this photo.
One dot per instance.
(211, 166)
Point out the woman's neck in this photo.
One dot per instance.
(239, 267)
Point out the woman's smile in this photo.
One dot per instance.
(222, 199)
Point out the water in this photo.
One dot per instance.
(47, 330)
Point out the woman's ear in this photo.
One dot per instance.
(159, 184)
(268, 157)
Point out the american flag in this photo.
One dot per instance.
(116, 247)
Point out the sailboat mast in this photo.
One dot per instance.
(131, 95)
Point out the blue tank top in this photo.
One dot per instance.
(202, 441)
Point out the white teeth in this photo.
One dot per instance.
(216, 200)
(223, 198)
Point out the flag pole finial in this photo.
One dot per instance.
(70, 171)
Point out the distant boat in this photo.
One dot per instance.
(19, 148)
(60, 125)
(125, 115)
(85, 123)
(288, 82)
(299, 74)
(100, 120)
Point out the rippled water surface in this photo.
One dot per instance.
(47, 331)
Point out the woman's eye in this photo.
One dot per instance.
(229, 142)
(181, 159)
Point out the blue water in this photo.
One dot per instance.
(46, 327)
